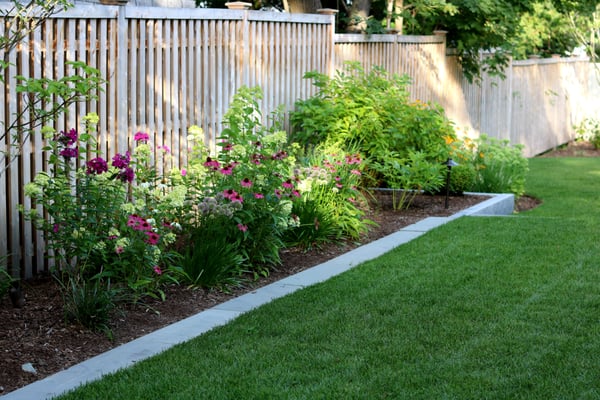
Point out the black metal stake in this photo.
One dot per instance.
(449, 164)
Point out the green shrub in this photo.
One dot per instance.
(462, 178)
(371, 113)
(251, 177)
(410, 176)
(501, 167)
(589, 130)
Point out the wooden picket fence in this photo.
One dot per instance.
(168, 69)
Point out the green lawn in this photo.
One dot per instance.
(496, 308)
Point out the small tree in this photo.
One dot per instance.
(42, 99)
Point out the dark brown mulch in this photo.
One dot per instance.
(574, 149)
(37, 333)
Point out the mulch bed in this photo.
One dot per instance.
(37, 334)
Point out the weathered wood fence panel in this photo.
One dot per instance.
(536, 104)
(166, 69)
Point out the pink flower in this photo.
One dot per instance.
(55, 228)
(152, 238)
(353, 159)
(259, 196)
(141, 136)
(138, 223)
(288, 184)
(119, 249)
(164, 148)
(246, 183)
(229, 193)
(242, 227)
(227, 170)
(339, 185)
(157, 270)
(278, 193)
(255, 158)
(183, 172)
(337, 179)
(236, 199)
(227, 147)
(212, 164)
(280, 155)
(295, 193)
(355, 172)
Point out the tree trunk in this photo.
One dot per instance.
(302, 6)
(358, 15)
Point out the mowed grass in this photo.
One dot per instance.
(487, 307)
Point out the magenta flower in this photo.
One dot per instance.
(152, 238)
(295, 193)
(126, 175)
(55, 228)
(141, 137)
(68, 138)
(242, 227)
(259, 196)
(278, 193)
(246, 183)
(69, 152)
(288, 184)
(280, 155)
(157, 270)
(355, 172)
(227, 147)
(119, 249)
(96, 166)
(183, 172)
(121, 161)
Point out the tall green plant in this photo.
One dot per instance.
(372, 114)
(501, 167)
(251, 177)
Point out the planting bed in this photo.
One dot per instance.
(36, 335)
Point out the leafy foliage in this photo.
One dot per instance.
(372, 114)
(589, 130)
(501, 167)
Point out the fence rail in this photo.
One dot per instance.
(167, 69)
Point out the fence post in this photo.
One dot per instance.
(122, 79)
(330, 49)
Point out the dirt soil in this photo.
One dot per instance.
(36, 335)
